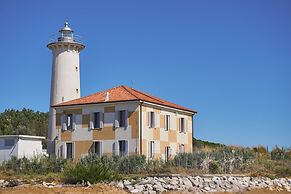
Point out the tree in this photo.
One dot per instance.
(24, 122)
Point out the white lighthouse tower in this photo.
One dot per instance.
(65, 80)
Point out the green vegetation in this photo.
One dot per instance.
(24, 122)
(207, 157)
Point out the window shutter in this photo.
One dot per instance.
(153, 148)
(64, 123)
(116, 121)
(157, 122)
(101, 148)
(91, 122)
(126, 118)
(149, 149)
(169, 121)
(74, 122)
(126, 148)
(115, 147)
(101, 115)
(149, 119)
(185, 128)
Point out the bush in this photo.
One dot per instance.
(92, 172)
(36, 165)
(213, 167)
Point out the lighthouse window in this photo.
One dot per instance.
(77, 69)
(77, 90)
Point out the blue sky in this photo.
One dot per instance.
(229, 60)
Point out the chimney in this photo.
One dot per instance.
(107, 97)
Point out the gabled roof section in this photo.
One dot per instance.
(120, 94)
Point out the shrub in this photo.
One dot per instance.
(36, 165)
(277, 154)
(213, 167)
(92, 172)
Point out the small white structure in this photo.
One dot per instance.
(20, 146)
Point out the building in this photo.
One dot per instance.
(118, 121)
(20, 146)
(123, 121)
(65, 80)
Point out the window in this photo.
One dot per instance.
(9, 142)
(97, 148)
(122, 118)
(152, 120)
(77, 91)
(167, 122)
(97, 119)
(167, 153)
(69, 150)
(122, 148)
(69, 121)
(151, 149)
(182, 124)
(181, 148)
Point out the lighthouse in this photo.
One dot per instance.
(65, 79)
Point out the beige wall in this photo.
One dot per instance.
(162, 137)
(138, 142)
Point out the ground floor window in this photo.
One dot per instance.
(123, 148)
(151, 149)
(182, 148)
(167, 153)
(97, 148)
(69, 147)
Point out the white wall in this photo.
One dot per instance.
(29, 148)
(22, 147)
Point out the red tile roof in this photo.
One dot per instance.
(119, 94)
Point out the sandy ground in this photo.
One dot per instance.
(98, 189)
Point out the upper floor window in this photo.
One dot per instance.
(97, 119)
(182, 125)
(69, 121)
(121, 118)
(152, 119)
(167, 122)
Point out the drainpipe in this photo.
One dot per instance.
(140, 127)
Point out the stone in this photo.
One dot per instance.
(126, 182)
(120, 185)
(187, 182)
(134, 191)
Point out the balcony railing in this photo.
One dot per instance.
(65, 38)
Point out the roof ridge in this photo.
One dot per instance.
(150, 96)
(125, 87)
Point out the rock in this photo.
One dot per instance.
(134, 191)
(13, 183)
(126, 182)
(120, 185)
(187, 182)
(88, 184)
(158, 188)
(129, 187)
(207, 188)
